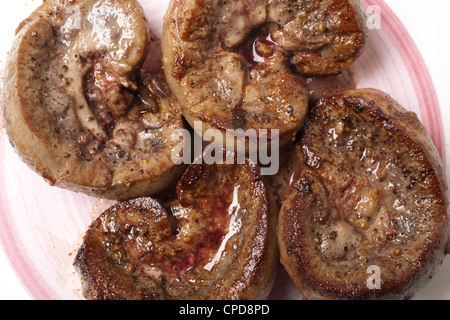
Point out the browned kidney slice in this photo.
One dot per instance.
(215, 240)
(367, 215)
(76, 108)
(230, 62)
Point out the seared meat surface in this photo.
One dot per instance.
(76, 108)
(215, 240)
(230, 62)
(370, 194)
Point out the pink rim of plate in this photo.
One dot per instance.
(430, 111)
(430, 114)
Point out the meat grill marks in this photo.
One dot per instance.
(205, 243)
(224, 58)
(78, 110)
(371, 192)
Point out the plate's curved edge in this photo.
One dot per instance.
(425, 90)
(23, 268)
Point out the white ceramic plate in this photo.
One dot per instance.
(42, 226)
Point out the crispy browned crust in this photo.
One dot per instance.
(229, 63)
(46, 112)
(56, 13)
(216, 240)
(327, 238)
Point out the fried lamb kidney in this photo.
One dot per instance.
(76, 108)
(230, 62)
(216, 240)
(367, 217)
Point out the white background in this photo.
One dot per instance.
(426, 21)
